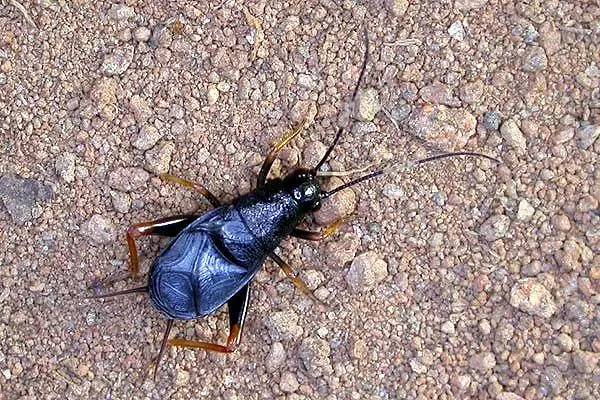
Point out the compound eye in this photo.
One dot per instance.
(308, 191)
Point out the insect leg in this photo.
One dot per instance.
(264, 170)
(238, 306)
(169, 226)
(194, 186)
(289, 272)
(316, 236)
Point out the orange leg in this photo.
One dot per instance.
(237, 307)
(316, 236)
(289, 272)
(194, 186)
(169, 226)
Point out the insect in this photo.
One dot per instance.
(213, 258)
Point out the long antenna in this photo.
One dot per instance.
(325, 195)
(458, 153)
(358, 84)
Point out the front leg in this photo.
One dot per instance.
(329, 230)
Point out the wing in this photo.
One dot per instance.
(206, 254)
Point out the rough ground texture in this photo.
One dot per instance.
(457, 279)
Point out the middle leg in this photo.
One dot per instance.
(329, 230)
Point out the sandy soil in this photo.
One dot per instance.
(456, 279)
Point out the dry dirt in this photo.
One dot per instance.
(457, 279)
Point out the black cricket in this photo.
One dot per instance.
(213, 258)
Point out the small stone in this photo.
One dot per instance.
(483, 362)
(436, 240)
(525, 211)
(212, 96)
(342, 250)
(443, 127)
(417, 366)
(461, 382)
(565, 342)
(100, 229)
(142, 34)
(65, 166)
(337, 206)
(158, 159)
(182, 378)
(366, 271)
(563, 135)
(485, 327)
(439, 93)
(121, 12)
(104, 97)
(283, 325)
(471, 92)
(367, 105)
(457, 31)
(535, 59)
(587, 135)
(120, 201)
(303, 111)
(288, 382)
(163, 56)
(495, 227)
(161, 37)
(550, 37)
(276, 357)
(314, 354)
(393, 191)
(313, 153)
(72, 104)
(397, 7)
(23, 198)
(492, 120)
(466, 5)
(146, 137)
(585, 361)
(140, 108)
(509, 396)
(511, 132)
(561, 222)
(118, 61)
(448, 328)
(552, 380)
(127, 179)
(359, 349)
(532, 297)
(532, 269)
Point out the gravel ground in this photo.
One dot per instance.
(457, 279)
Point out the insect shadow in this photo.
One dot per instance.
(214, 257)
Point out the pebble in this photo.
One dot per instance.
(535, 59)
(367, 104)
(485, 327)
(337, 206)
(585, 361)
(146, 137)
(563, 135)
(525, 211)
(342, 250)
(448, 328)
(509, 396)
(495, 227)
(104, 97)
(283, 325)
(366, 271)
(24, 198)
(288, 383)
(483, 362)
(314, 354)
(417, 366)
(120, 201)
(65, 166)
(212, 95)
(531, 296)
(397, 7)
(565, 342)
(561, 222)
(393, 191)
(443, 127)
(550, 37)
(140, 108)
(182, 377)
(117, 62)
(513, 135)
(457, 31)
(276, 357)
(128, 179)
(587, 135)
(121, 12)
(492, 120)
(439, 93)
(100, 229)
(142, 34)
(466, 5)
(158, 159)
(313, 153)
(461, 382)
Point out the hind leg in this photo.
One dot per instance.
(237, 307)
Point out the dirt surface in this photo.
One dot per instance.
(457, 279)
